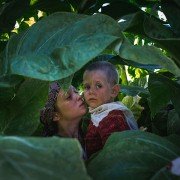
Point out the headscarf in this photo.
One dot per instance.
(47, 113)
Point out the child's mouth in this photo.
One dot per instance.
(92, 100)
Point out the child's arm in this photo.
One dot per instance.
(114, 122)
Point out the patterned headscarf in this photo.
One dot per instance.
(46, 114)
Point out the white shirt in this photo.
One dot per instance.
(97, 114)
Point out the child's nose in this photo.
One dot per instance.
(91, 90)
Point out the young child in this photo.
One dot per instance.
(101, 87)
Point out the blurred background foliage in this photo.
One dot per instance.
(147, 35)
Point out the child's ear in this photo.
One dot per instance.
(56, 116)
(115, 90)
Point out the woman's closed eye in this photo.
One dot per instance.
(67, 96)
(75, 91)
(70, 93)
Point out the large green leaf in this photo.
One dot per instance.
(3, 114)
(60, 44)
(147, 55)
(173, 124)
(10, 81)
(174, 138)
(172, 13)
(134, 90)
(132, 154)
(6, 94)
(162, 91)
(117, 60)
(142, 24)
(163, 35)
(41, 158)
(133, 22)
(164, 173)
(22, 113)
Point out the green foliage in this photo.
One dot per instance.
(10, 11)
(133, 154)
(133, 104)
(148, 55)
(66, 37)
(41, 158)
(163, 90)
(173, 123)
(20, 116)
(50, 6)
(59, 45)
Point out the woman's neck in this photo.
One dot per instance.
(68, 128)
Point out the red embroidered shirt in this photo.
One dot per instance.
(96, 136)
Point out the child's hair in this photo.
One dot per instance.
(108, 68)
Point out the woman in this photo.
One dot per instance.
(63, 112)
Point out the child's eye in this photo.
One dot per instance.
(86, 87)
(98, 86)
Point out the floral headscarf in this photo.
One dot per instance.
(46, 114)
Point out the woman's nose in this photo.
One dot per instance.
(78, 97)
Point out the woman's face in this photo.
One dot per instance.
(70, 104)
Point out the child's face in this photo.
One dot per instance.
(97, 90)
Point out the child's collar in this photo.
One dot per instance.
(97, 114)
